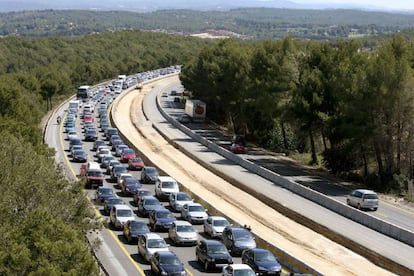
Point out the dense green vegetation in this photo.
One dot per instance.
(44, 217)
(356, 108)
(257, 23)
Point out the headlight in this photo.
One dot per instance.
(164, 273)
(210, 259)
(263, 268)
(183, 273)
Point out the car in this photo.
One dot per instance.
(102, 152)
(111, 131)
(136, 164)
(106, 159)
(160, 219)
(238, 148)
(194, 213)
(120, 214)
(111, 164)
(212, 254)
(97, 143)
(262, 261)
(127, 154)
(133, 229)
(150, 243)
(111, 201)
(79, 156)
(182, 233)
(91, 135)
(363, 199)
(237, 239)
(141, 192)
(164, 186)
(214, 226)
(116, 171)
(74, 148)
(103, 193)
(178, 200)
(87, 118)
(116, 143)
(149, 174)
(237, 269)
(166, 263)
(94, 177)
(113, 138)
(71, 134)
(121, 177)
(74, 141)
(184, 119)
(130, 185)
(119, 148)
(148, 204)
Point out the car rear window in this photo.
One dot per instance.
(370, 196)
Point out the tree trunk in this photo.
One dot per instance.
(285, 143)
(314, 159)
(364, 158)
(380, 166)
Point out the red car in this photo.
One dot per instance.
(88, 119)
(238, 149)
(127, 154)
(135, 164)
(94, 177)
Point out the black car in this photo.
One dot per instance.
(133, 229)
(117, 170)
(111, 201)
(262, 261)
(79, 156)
(149, 174)
(213, 254)
(166, 263)
(237, 239)
(147, 204)
(97, 143)
(91, 135)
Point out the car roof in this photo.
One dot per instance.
(194, 204)
(182, 222)
(122, 206)
(258, 249)
(212, 242)
(240, 266)
(166, 253)
(166, 178)
(152, 236)
(217, 218)
(365, 191)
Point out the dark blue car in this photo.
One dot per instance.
(166, 263)
(161, 219)
(133, 229)
(262, 261)
(103, 193)
(130, 185)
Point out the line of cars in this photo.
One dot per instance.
(161, 217)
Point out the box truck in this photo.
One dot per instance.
(196, 109)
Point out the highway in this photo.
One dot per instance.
(120, 258)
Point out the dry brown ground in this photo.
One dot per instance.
(312, 248)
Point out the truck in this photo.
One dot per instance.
(196, 109)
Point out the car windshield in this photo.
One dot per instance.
(164, 214)
(136, 160)
(139, 226)
(242, 235)
(169, 184)
(196, 208)
(185, 228)
(244, 272)
(128, 151)
(150, 170)
(124, 213)
(156, 243)
(264, 257)
(183, 197)
(217, 249)
(151, 202)
(220, 222)
(131, 181)
(169, 260)
(95, 173)
(114, 201)
(106, 191)
(120, 169)
(79, 152)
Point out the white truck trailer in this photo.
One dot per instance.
(196, 109)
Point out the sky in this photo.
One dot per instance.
(388, 4)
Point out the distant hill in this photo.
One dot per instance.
(253, 23)
(152, 5)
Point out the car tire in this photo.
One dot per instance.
(375, 209)
(348, 202)
(359, 206)
(206, 266)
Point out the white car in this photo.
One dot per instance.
(71, 134)
(182, 232)
(150, 243)
(122, 176)
(238, 269)
(178, 200)
(120, 214)
(164, 186)
(214, 226)
(363, 199)
(194, 213)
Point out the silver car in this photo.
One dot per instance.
(214, 226)
(178, 200)
(363, 199)
(182, 232)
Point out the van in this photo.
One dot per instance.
(93, 166)
(164, 186)
(94, 175)
(120, 214)
(363, 199)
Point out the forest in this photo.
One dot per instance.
(44, 217)
(248, 23)
(352, 110)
